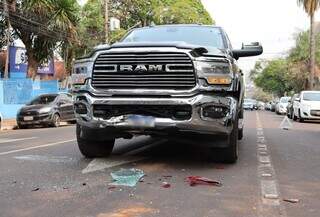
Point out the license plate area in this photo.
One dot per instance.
(140, 121)
(28, 118)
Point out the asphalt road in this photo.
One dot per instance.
(42, 173)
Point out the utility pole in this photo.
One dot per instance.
(6, 12)
(106, 20)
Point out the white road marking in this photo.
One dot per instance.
(15, 140)
(264, 159)
(270, 205)
(49, 159)
(101, 163)
(36, 147)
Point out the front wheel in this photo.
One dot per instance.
(230, 154)
(301, 120)
(56, 120)
(90, 143)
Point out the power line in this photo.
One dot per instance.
(30, 25)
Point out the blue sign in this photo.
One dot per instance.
(19, 62)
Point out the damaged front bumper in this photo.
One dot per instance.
(209, 114)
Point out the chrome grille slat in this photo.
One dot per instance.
(140, 76)
(144, 61)
(177, 71)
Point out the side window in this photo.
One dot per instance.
(66, 98)
(228, 40)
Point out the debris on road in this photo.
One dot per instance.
(291, 200)
(35, 189)
(219, 167)
(127, 177)
(84, 184)
(198, 180)
(166, 185)
(112, 187)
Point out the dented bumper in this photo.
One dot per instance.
(209, 114)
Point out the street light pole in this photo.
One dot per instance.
(106, 20)
(6, 12)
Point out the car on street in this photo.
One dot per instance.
(273, 106)
(290, 106)
(248, 104)
(281, 106)
(307, 106)
(47, 110)
(173, 81)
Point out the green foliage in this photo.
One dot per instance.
(289, 74)
(273, 77)
(187, 11)
(261, 95)
(133, 12)
(301, 51)
(53, 19)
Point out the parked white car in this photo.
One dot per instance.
(281, 107)
(307, 106)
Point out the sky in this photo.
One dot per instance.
(271, 22)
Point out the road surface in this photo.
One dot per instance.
(42, 173)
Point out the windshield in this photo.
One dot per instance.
(284, 99)
(196, 35)
(43, 100)
(311, 96)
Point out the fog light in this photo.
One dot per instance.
(212, 111)
(80, 108)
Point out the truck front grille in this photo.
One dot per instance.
(143, 71)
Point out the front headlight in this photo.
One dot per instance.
(216, 73)
(45, 110)
(81, 72)
(213, 67)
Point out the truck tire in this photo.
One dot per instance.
(240, 131)
(90, 146)
(240, 134)
(228, 155)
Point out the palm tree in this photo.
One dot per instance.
(311, 6)
(42, 25)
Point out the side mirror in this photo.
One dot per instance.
(297, 99)
(253, 49)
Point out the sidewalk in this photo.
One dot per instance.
(8, 124)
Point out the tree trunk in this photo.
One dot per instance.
(106, 21)
(312, 52)
(32, 66)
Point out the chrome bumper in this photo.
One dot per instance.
(197, 123)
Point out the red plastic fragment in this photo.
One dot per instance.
(166, 185)
(198, 180)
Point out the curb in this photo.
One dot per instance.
(8, 124)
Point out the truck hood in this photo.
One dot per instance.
(197, 49)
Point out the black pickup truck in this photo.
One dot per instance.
(179, 82)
